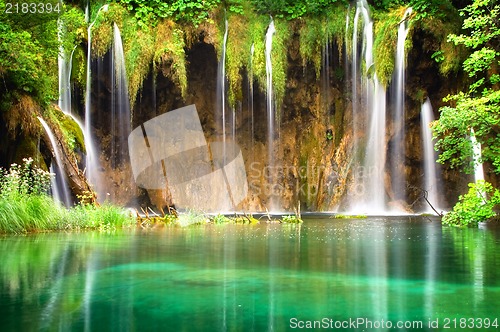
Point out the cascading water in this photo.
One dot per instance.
(398, 150)
(92, 159)
(430, 156)
(369, 107)
(270, 108)
(59, 186)
(120, 103)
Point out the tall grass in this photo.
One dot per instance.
(25, 206)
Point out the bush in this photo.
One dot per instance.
(475, 206)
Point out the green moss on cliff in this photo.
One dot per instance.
(239, 53)
(385, 43)
(139, 54)
(446, 54)
(169, 55)
(161, 44)
(79, 67)
(315, 31)
(251, 30)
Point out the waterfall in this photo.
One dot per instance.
(476, 149)
(92, 160)
(60, 188)
(120, 104)
(398, 150)
(270, 106)
(430, 156)
(64, 66)
(375, 201)
(369, 107)
(87, 12)
(221, 87)
(250, 96)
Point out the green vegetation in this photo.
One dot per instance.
(188, 11)
(474, 112)
(197, 11)
(28, 57)
(348, 216)
(476, 206)
(423, 8)
(293, 9)
(479, 107)
(291, 219)
(190, 218)
(446, 54)
(25, 206)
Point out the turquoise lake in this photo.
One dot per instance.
(375, 272)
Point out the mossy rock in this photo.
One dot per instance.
(71, 131)
(28, 147)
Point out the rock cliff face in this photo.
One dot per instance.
(313, 148)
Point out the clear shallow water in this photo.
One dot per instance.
(250, 278)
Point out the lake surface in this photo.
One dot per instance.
(375, 273)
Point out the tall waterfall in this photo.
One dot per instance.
(374, 164)
(64, 101)
(120, 104)
(398, 150)
(64, 66)
(60, 188)
(64, 69)
(221, 88)
(250, 96)
(369, 107)
(270, 106)
(430, 156)
(92, 158)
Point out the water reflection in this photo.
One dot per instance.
(233, 277)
